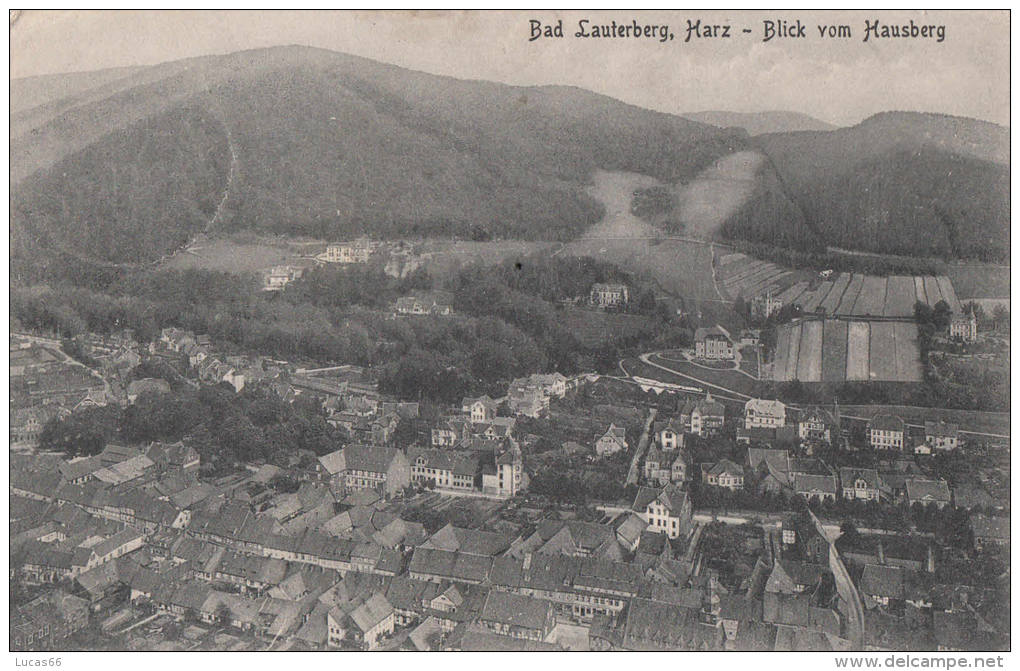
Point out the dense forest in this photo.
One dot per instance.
(225, 428)
(507, 320)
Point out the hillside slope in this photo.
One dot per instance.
(332, 146)
(123, 167)
(900, 183)
(759, 123)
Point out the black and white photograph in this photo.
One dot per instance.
(510, 331)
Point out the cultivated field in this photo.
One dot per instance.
(871, 300)
(882, 364)
(899, 297)
(835, 295)
(842, 295)
(809, 363)
(741, 275)
(832, 350)
(932, 290)
(846, 303)
(857, 354)
(908, 362)
(793, 358)
(781, 358)
(834, 344)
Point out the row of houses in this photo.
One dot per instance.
(497, 472)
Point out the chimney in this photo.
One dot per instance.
(881, 552)
(931, 560)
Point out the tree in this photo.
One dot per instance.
(942, 314)
(81, 434)
(222, 615)
(1001, 317)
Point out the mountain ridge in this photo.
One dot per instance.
(331, 145)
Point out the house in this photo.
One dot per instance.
(528, 399)
(703, 417)
(713, 343)
(750, 337)
(939, 436)
(517, 615)
(670, 435)
(764, 414)
(609, 295)
(278, 277)
(964, 327)
(883, 585)
(448, 470)
(423, 305)
(765, 305)
(989, 532)
(968, 495)
(667, 510)
(657, 466)
(553, 384)
(27, 423)
(679, 470)
(723, 473)
(813, 425)
(860, 483)
(47, 622)
(794, 577)
(354, 467)
(573, 538)
(504, 475)
(612, 441)
(358, 251)
(928, 492)
(815, 487)
(886, 432)
(364, 624)
(481, 409)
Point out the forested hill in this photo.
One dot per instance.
(324, 144)
(759, 123)
(901, 183)
(126, 166)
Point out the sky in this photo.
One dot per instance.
(840, 81)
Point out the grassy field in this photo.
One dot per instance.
(594, 327)
(729, 379)
(837, 350)
(749, 361)
(908, 361)
(882, 364)
(681, 267)
(857, 355)
(834, 340)
(443, 258)
(242, 255)
(809, 364)
(979, 281)
(900, 297)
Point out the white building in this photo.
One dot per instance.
(763, 414)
